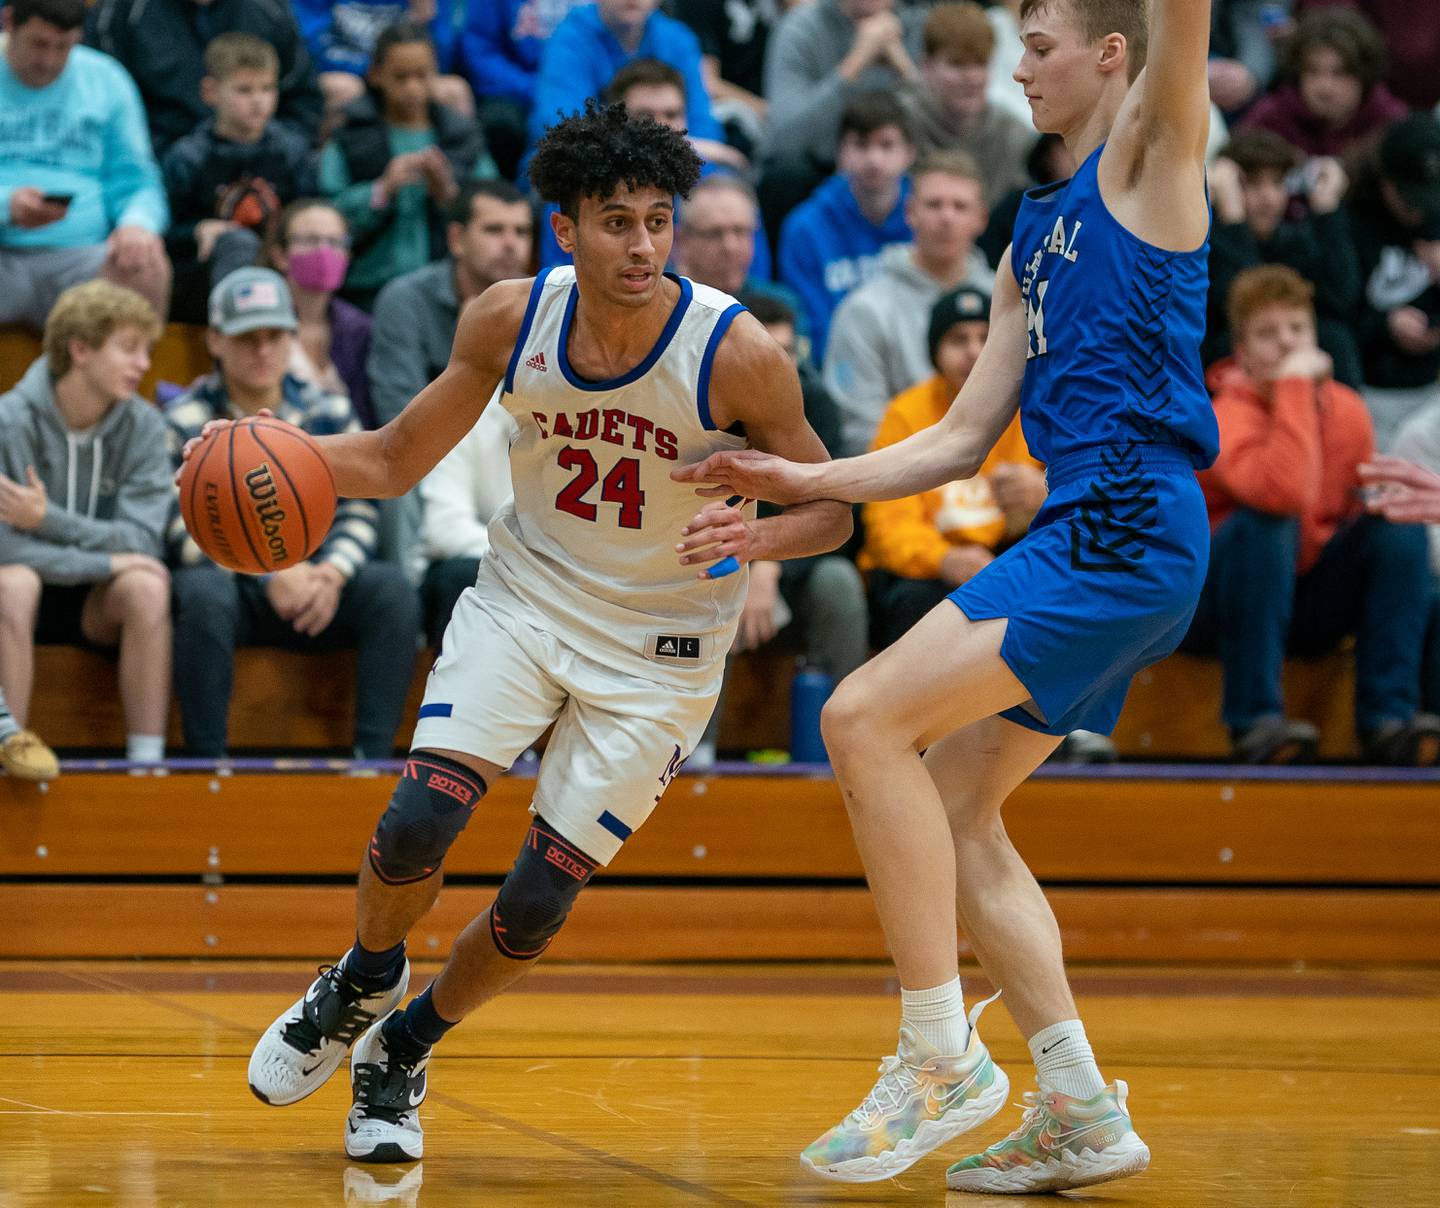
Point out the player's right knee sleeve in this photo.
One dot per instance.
(428, 809)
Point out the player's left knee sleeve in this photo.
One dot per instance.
(429, 808)
(537, 895)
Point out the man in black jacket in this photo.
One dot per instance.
(1271, 210)
(162, 43)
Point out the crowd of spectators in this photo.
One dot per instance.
(323, 185)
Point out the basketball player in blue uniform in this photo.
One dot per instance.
(1096, 323)
(586, 612)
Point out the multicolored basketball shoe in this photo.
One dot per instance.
(307, 1042)
(922, 1100)
(1061, 1143)
(387, 1091)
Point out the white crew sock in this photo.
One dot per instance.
(1064, 1060)
(938, 1015)
(145, 748)
(8, 724)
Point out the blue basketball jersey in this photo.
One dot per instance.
(1114, 329)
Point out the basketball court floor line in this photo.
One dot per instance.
(589, 1152)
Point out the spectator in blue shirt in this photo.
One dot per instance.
(501, 45)
(831, 243)
(341, 34)
(596, 41)
(80, 192)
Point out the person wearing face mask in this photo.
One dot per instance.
(311, 247)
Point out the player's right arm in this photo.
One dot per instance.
(392, 459)
(953, 449)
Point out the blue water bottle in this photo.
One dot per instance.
(809, 691)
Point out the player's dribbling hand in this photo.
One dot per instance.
(211, 427)
(718, 531)
(750, 473)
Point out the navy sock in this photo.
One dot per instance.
(375, 970)
(418, 1027)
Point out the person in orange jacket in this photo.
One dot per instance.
(1296, 562)
(919, 549)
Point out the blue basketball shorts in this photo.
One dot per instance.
(1105, 582)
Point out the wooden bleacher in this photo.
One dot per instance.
(732, 866)
(289, 700)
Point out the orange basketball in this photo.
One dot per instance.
(258, 496)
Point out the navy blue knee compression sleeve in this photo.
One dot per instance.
(429, 808)
(539, 891)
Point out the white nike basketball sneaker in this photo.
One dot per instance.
(307, 1043)
(387, 1091)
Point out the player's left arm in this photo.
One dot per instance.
(1172, 95)
(1152, 173)
(753, 382)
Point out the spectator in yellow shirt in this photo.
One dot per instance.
(918, 550)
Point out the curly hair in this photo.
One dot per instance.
(1351, 35)
(592, 154)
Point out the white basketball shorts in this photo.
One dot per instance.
(619, 740)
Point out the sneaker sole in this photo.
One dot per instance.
(1130, 1155)
(928, 1137)
(388, 1152)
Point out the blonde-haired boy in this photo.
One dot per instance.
(84, 495)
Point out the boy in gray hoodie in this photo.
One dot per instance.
(85, 492)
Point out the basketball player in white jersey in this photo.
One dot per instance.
(593, 610)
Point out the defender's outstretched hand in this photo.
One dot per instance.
(753, 474)
(1401, 490)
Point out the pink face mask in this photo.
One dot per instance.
(321, 270)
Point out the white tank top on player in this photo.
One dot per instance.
(589, 539)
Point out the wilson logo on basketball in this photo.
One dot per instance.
(462, 792)
(261, 485)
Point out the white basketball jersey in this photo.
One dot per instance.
(589, 538)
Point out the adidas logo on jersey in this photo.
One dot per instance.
(537, 362)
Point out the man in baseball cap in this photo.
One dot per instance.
(1410, 164)
(344, 596)
(252, 299)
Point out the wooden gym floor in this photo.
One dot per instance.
(123, 1083)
